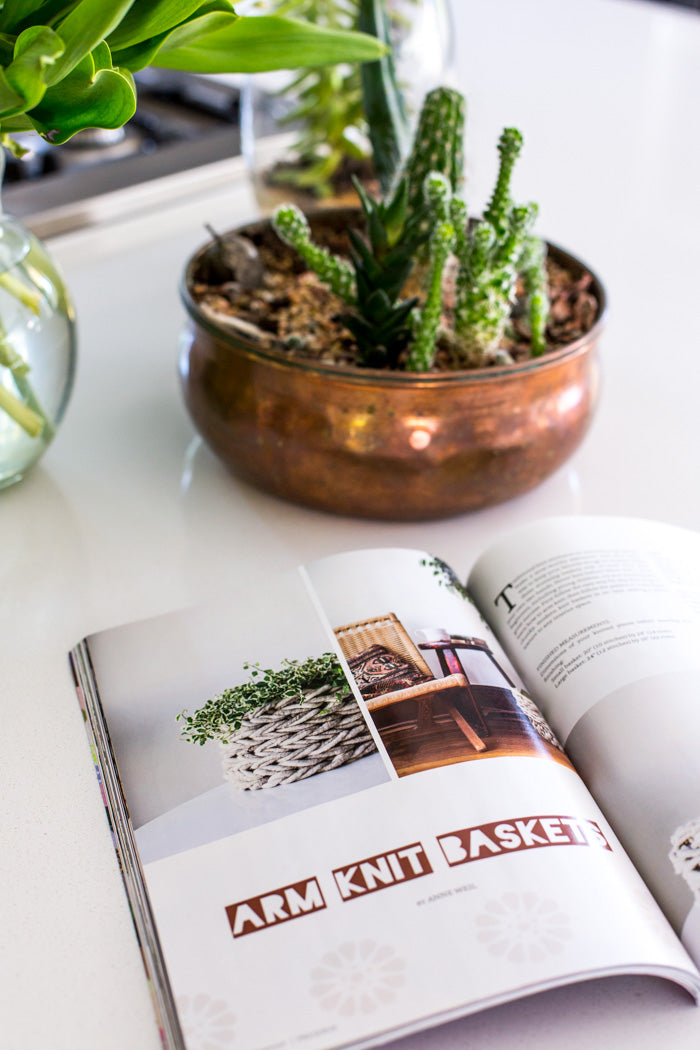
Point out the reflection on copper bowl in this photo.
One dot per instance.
(393, 446)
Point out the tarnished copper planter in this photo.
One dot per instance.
(393, 446)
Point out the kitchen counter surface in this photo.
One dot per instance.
(128, 515)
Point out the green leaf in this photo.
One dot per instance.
(384, 105)
(7, 49)
(17, 15)
(213, 16)
(15, 11)
(35, 51)
(86, 98)
(140, 55)
(265, 42)
(150, 18)
(11, 102)
(191, 32)
(87, 25)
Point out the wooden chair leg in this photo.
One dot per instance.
(471, 734)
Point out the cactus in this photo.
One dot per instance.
(425, 219)
(438, 143)
(422, 353)
(509, 146)
(532, 267)
(291, 225)
(490, 259)
(438, 195)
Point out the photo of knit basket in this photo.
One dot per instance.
(287, 740)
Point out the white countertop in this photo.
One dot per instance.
(128, 515)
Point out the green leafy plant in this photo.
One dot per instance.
(67, 65)
(221, 716)
(346, 116)
(423, 223)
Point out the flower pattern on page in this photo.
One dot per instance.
(523, 927)
(207, 1024)
(357, 977)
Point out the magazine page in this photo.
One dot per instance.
(292, 880)
(602, 616)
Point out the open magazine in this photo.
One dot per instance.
(413, 798)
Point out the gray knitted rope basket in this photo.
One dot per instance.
(285, 740)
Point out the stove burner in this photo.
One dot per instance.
(182, 121)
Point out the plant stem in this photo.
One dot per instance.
(19, 290)
(27, 412)
(24, 416)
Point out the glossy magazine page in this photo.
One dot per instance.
(349, 862)
(602, 616)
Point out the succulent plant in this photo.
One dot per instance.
(423, 222)
(373, 280)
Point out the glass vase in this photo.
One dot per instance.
(37, 349)
(303, 135)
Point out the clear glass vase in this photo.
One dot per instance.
(303, 134)
(37, 349)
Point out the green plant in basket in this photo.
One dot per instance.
(221, 716)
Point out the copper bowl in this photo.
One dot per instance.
(392, 446)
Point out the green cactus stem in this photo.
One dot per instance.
(534, 274)
(291, 225)
(438, 194)
(422, 353)
(438, 143)
(509, 146)
(459, 218)
(491, 255)
(508, 252)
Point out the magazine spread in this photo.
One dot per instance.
(387, 825)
